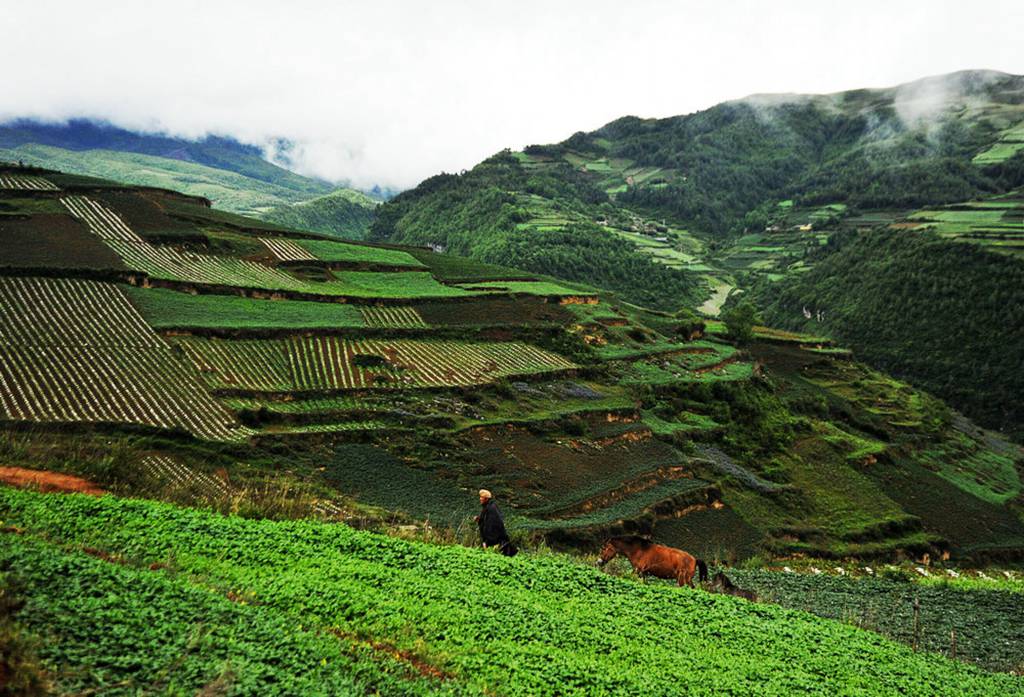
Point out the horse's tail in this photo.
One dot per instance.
(703, 569)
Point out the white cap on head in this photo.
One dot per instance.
(484, 494)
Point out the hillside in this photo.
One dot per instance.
(236, 177)
(308, 608)
(380, 373)
(162, 349)
(344, 213)
(899, 298)
(746, 196)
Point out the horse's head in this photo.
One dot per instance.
(608, 553)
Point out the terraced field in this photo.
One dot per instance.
(77, 351)
(1011, 141)
(586, 414)
(996, 223)
(183, 266)
(326, 363)
(286, 250)
(330, 363)
(400, 317)
(26, 182)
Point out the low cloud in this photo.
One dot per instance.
(925, 103)
(391, 92)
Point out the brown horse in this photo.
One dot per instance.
(649, 559)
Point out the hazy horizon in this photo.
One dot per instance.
(390, 94)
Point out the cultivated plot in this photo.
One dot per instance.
(259, 365)
(286, 250)
(109, 385)
(78, 351)
(326, 363)
(26, 182)
(392, 317)
(61, 311)
(337, 363)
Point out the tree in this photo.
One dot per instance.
(740, 320)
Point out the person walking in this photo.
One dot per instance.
(492, 526)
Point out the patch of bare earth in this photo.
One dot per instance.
(48, 481)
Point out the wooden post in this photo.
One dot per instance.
(952, 643)
(917, 620)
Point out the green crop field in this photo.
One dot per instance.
(982, 621)
(392, 317)
(996, 223)
(170, 309)
(335, 252)
(536, 625)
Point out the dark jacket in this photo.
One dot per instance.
(492, 525)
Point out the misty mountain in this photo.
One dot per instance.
(217, 152)
(235, 176)
(344, 213)
(747, 193)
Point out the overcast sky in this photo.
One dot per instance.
(392, 92)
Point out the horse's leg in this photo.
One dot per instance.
(686, 573)
(639, 562)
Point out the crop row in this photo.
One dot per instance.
(300, 406)
(536, 625)
(335, 363)
(168, 469)
(286, 250)
(986, 623)
(169, 263)
(398, 317)
(26, 182)
(335, 427)
(172, 264)
(131, 385)
(330, 362)
(45, 311)
(259, 365)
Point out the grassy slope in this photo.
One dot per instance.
(228, 190)
(535, 625)
(482, 214)
(222, 153)
(343, 213)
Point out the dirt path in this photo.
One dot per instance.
(47, 481)
(719, 292)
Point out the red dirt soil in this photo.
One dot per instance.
(48, 481)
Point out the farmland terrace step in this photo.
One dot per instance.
(589, 529)
(484, 333)
(553, 418)
(143, 280)
(627, 489)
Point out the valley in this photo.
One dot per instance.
(244, 421)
